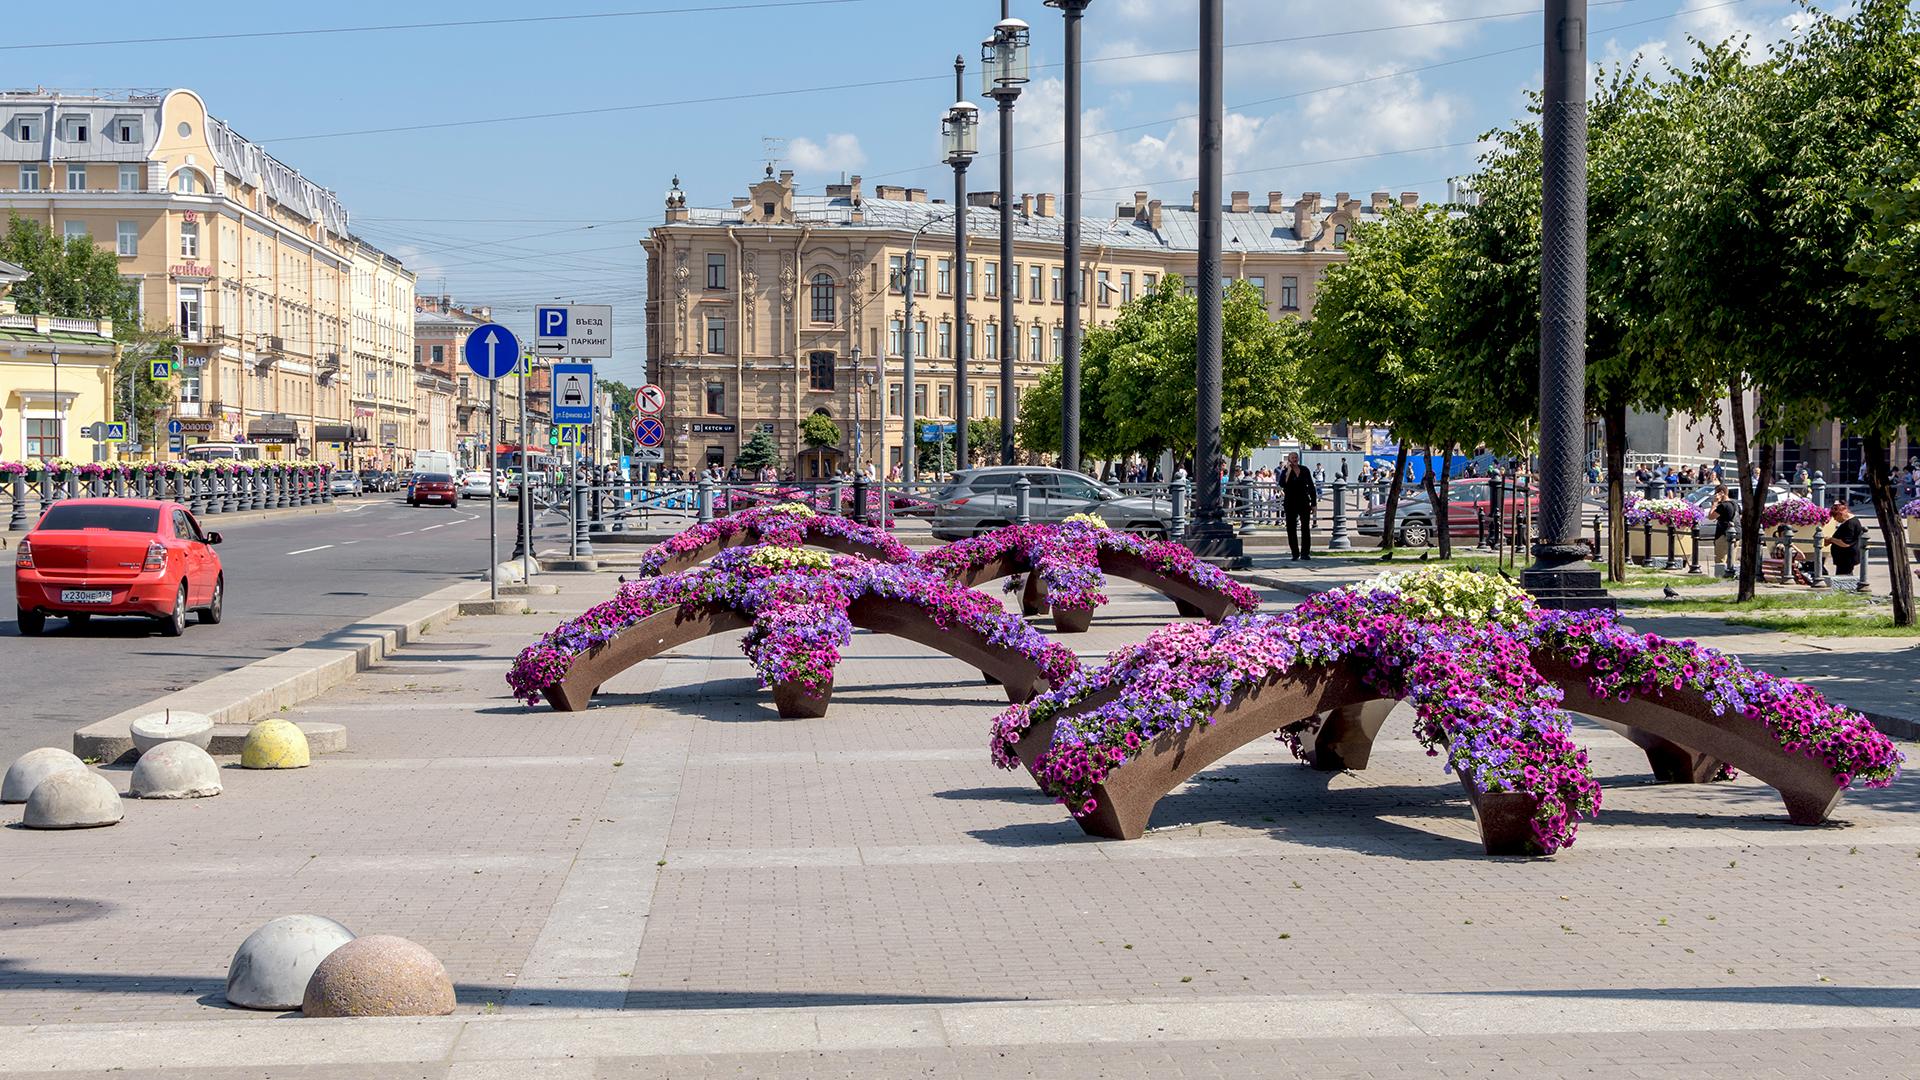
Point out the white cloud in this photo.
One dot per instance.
(839, 153)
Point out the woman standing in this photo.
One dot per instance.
(1723, 512)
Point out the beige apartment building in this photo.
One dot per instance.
(440, 329)
(776, 307)
(382, 391)
(250, 261)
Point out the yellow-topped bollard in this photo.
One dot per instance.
(275, 744)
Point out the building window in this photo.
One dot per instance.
(1013, 282)
(895, 344)
(187, 183)
(993, 278)
(1339, 236)
(130, 178)
(1103, 289)
(1059, 336)
(26, 129)
(189, 239)
(1259, 283)
(970, 272)
(716, 399)
(823, 301)
(945, 398)
(1290, 293)
(1035, 287)
(894, 397)
(30, 176)
(946, 340)
(920, 337)
(1059, 284)
(1036, 352)
(716, 457)
(129, 130)
(43, 439)
(716, 336)
(439, 355)
(973, 340)
(1192, 283)
(919, 399)
(993, 343)
(820, 370)
(1126, 287)
(920, 275)
(77, 129)
(75, 230)
(992, 396)
(716, 270)
(76, 178)
(896, 266)
(190, 312)
(944, 281)
(190, 385)
(1150, 282)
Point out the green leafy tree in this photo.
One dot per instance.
(936, 457)
(983, 440)
(758, 453)
(819, 431)
(75, 278)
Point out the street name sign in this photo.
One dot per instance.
(491, 351)
(573, 393)
(582, 331)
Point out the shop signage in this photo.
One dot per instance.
(713, 429)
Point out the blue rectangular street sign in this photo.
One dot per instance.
(115, 432)
(573, 393)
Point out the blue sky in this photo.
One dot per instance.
(518, 213)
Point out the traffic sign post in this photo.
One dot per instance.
(583, 331)
(492, 352)
(573, 393)
(649, 400)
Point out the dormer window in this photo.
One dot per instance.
(767, 210)
(23, 129)
(77, 128)
(127, 130)
(1339, 236)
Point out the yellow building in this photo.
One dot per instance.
(251, 262)
(386, 425)
(56, 379)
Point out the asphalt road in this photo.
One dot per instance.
(289, 581)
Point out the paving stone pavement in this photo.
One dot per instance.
(677, 849)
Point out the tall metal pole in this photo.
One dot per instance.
(525, 510)
(1009, 334)
(907, 284)
(962, 406)
(1210, 534)
(1560, 576)
(493, 462)
(1070, 358)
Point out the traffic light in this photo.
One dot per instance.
(179, 358)
(553, 437)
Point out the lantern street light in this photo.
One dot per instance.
(960, 136)
(1003, 71)
(1072, 10)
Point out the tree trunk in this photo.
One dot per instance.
(1753, 479)
(1389, 533)
(1616, 421)
(1892, 531)
(1442, 513)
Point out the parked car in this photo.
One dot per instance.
(346, 482)
(433, 488)
(88, 557)
(1469, 500)
(477, 484)
(382, 480)
(979, 500)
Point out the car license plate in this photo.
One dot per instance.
(86, 596)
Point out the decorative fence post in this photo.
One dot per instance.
(703, 499)
(18, 521)
(96, 486)
(1694, 529)
(1339, 541)
(119, 483)
(1022, 500)
(1178, 517)
(1818, 489)
(1786, 554)
(46, 489)
(582, 494)
(860, 497)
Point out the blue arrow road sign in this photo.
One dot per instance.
(492, 351)
(573, 393)
(175, 427)
(648, 432)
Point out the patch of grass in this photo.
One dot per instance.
(1651, 579)
(1795, 601)
(1828, 624)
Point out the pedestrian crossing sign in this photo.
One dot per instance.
(569, 434)
(116, 432)
(161, 370)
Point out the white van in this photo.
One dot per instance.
(435, 461)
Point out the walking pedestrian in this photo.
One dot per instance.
(1723, 511)
(1297, 495)
(1847, 541)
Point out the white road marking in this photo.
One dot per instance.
(409, 532)
(344, 543)
(304, 551)
(442, 525)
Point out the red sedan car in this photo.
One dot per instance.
(91, 557)
(434, 488)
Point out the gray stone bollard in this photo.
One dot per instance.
(34, 766)
(119, 483)
(1339, 541)
(271, 968)
(175, 770)
(582, 495)
(703, 499)
(1022, 500)
(17, 521)
(46, 488)
(72, 800)
(1178, 518)
(379, 975)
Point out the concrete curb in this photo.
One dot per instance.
(266, 686)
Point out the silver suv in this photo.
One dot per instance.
(983, 499)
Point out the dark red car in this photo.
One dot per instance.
(434, 488)
(90, 557)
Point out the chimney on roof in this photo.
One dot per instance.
(1410, 200)
(740, 202)
(1153, 214)
(1195, 205)
(1340, 201)
(1242, 202)
(786, 178)
(1139, 205)
(889, 191)
(1381, 200)
(1046, 205)
(1026, 207)
(1305, 209)
(988, 199)
(918, 195)
(854, 184)
(1276, 202)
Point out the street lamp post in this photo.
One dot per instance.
(1003, 71)
(1560, 576)
(1072, 10)
(1210, 535)
(904, 281)
(960, 133)
(859, 391)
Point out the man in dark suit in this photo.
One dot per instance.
(1298, 494)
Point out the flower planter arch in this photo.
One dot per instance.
(798, 609)
(786, 524)
(1064, 566)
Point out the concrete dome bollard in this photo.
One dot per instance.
(275, 744)
(171, 725)
(379, 975)
(271, 968)
(34, 766)
(175, 770)
(72, 800)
